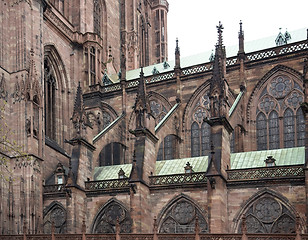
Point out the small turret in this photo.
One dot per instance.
(241, 40)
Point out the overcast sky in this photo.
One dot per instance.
(194, 22)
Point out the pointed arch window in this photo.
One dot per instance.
(195, 140)
(300, 124)
(205, 138)
(289, 129)
(261, 132)
(273, 127)
(180, 217)
(200, 130)
(168, 148)
(269, 215)
(97, 13)
(55, 215)
(107, 218)
(50, 100)
(112, 154)
(92, 66)
(279, 121)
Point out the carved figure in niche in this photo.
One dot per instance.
(18, 93)
(181, 217)
(3, 91)
(107, 219)
(267, 215)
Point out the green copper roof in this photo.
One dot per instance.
(238, 98)
(176, 166)
(286, 156)
(111, 172)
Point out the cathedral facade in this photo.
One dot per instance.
(105, 130)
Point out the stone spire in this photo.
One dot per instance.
(177, 55)
(79, 118)
(218, 83)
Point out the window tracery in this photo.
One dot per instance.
(181, 217)
(278, 108)
(200, 130)
(268, 215)
(50, 99)
(112, 154)
(56, 215)
(273, 130)
(107, 219)
(158, 110)
(168, 148)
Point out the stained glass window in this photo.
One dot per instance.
(205, 138)
(281, 99)
(261, 132)
(195, 140)
(168, 148)
(288, 129)
(300, 124)
(112, 154)
(273, 126)
(97, 17)
(50, 100)
(92, 66)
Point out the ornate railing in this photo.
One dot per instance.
(160, 77)
(136, 236)
(159, 236)
(220, 236)
(271, 236)
(197, 69)
(56, 188)
(231, 61)
(107, 184)
(254, 56)
(265, 172)
(178, 179)
(276, 51)
(100, 237)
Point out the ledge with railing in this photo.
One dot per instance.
(178, 179)
(158, 236)
(266, 173)
(111, 184)
(55, 188)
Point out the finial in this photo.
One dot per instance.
(241, 33)
(177, 49)
(219, 31)
(141, 72)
